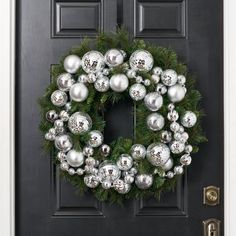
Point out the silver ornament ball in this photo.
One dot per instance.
(91, 78)
(138, 151)
(129, 179)
(72, 63)
(64, 166)
(71, 171)
(153, 101)
(186, 159)
(95, 139)
(181, 79)
(169, 77)
(59, 98)
(64, 115)
(119, 83)
(168, 165)
(157, 71)
(63, 142)
(91, 181)
(80, 171)
(114, 57)
(65, 81)
(176, 93)
(189, 119)
(178, 170)
(51, 115)
(102, 84)
(124, 162)
(108, 171)
(105, 150)
(75, 158)
(173, 115)
(83, 78)
(177, 147)
(144, 181)
(137, 92)
(106, 185)
(79, 92)
(155, 121)
(155, 78)
(88, 151)
(166, 136)
(161, 88)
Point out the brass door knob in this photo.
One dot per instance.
(211, 195)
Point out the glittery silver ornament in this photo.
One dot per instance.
(114, 57)
(79, 123)
(71, 171)
(155, 121)
(119, 83)
(168, 165)
(106, 185)
(177, 147)
(176, 93)
(80, 171)
(102, 84)
(157, 71)
(92, 62)
(95, 139)
(174, 126)
(72, 63)
(178, 170)
(63, 142)
(138, 151)
(153, 101)
(79, 92)
(143, 181)
(64, 166)
(141, 60)
(51, 115)
(105, 150)
(170, 175)
(91, 181)
(75, 158)
(129, 179)
(189, 119)
(155, 78)
(108, 171)
(131, 74)
(158, 154)
(166, 136)
(169, 77)
(91, 78)
(186, 160)
(124, 162)
(59, 98)
(65, 81)
(83, 78)
(88, 151)
(137, 92)
(161, 88)
(64, 115)
(173, 115)
(181, 79)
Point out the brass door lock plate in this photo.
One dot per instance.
(211, 196)
(211, 227)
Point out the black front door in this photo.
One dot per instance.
(46, 29)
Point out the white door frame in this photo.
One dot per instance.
(7, 59)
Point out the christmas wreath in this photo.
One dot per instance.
(168, 130)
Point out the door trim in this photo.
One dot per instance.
(7, 64)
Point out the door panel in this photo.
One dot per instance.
(46, 29)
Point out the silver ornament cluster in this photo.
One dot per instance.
(120, 174)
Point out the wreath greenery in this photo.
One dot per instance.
(96, 103)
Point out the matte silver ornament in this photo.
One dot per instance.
(72, 63)
(168, 165)
(129, 179)
(92, 62)
(51, 115)
(137, 92)
(153, 101)
(141, 60)
(102, 84)
(131, 74)
(178, 170)
(177, 147)
(79, 92)
(105, 150)
(189, 119)
(138, 151)
(124, 162)
(71, 171)
(166, 136)
(114, 57)
(176, 93)
(65, 81)
(108, 171)
(88, 151)
(158, 154)
(155, 78)
(75, 158)
(91, 181)
(186, 160)
(119, 83)
(155, 121)
(79, 123)
(169, 77)
(96, 138)
(144, 181)
(157, 71)
(63, 142)
(59, 98)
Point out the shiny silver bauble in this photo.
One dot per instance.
(181, 79)
(119, 83)
(137, 92)
(83, 78)
(155, 78)
(173, 115)
(133, 171)
(79, 92)
(106, 185)
(75, 158)
(147, 82)
(102, 84)
(91, 78)
(88, 151)
(178, 170)
(64, 166)
(166, 136)
(155, 121)
(91, 181)
(161, 88)
(176, 93)
(65, 81)
(108, 171)
(186, 159)
(169, 77)
(129, 179)
(138, 151)
(51, 115)
(170, 175)
(59, 98)
(90, 161)
(49, 137)
(174, 126)
(58, 124)
(177, 147)
(63, 142)
(95, 138)
(72, 63)
(158, 154)
(141, 60)
(92, 62)
(153, 101)
(131, 74)
(188, 148)
(64, 115)
(143, 181)
(105, 150)
(168, 165)
(71, 171)
(114, 57)
(61, 156)
(157, 71)
(123, 188)
(189, 119)
(79, 171)
(124, 162)
(79, 123)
